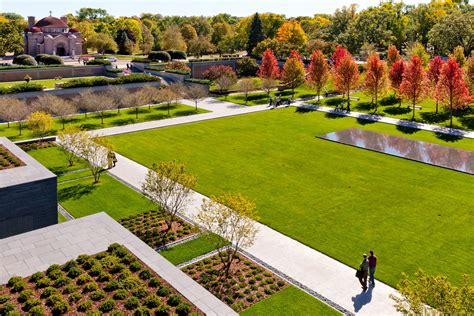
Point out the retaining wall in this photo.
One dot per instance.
(51, 73)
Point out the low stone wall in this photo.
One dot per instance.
(51, 73)
(74, 91)
(168, 76)
(199, 68)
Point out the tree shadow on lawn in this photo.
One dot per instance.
(155, 117)
(431, 117)
(331, 115)
(364, 106)
(467, 122)
(303, 110)
(395, 110)
(364, 121)
(448, 138)
(89, 126)
(75, 192)
(407, 129)
(59, 170)
(124, 121)
(185, 112)
(390, 100)
(333, 101)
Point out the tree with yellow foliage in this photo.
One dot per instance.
(40, 123)
(292, 33)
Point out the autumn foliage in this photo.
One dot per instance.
(293, 74)
(339, 54)
(269, 67)
(376, 77)
(396, 76)
(392, 55)
(318, 71)
(451, 87)
(434, 71)
(346, 76)
(414, 84)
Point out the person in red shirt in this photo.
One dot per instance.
(372, 264)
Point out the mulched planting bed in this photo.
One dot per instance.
(149, 227)
(37, 145)
(248, 282)
(8, 160)
(113, 282)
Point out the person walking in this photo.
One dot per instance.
(363, 272)
(372, 263)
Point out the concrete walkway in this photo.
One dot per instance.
(314, 270)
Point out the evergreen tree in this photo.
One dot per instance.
(255, 33)
(125, 46)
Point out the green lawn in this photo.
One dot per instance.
(47, 83)
(259, 98)
(61, 218)
(290, 301)
(83, 197)
(188, 250)
(389, 106)
(338, 199)
(112, 118)
(55, 160)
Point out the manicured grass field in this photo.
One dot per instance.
(290, 301)
(188, 250)
(389, 106)
(259, 98)
(61, 218)
(111, 118)
(82, 197)
(47, 83)
(338, 199)
(55, 160)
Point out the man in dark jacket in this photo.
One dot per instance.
(364, 271)
(372, 264)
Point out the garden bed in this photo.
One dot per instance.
(149, 227)
(248, 282)
(113, 281)
(8, 160)
(37, 145)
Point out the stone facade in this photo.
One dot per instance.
(28, 195)
(52, 36)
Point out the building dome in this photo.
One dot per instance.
(73, 30)
(50, 21)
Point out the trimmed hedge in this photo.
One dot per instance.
(159, 56)
(177, 54)
(49, 59)
(114, 70)
(141, 60)
(83, 82)
(200, 81)
(19, 67)
(174, 71)
(22, 87)
(96, 61)
(24, 59)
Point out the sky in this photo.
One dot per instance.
(41, 8)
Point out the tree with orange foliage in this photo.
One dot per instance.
(318, 72)
(376, 77)
(452, 88)
(392, 55)
(434, 70)
(346, 77)
(396, 76)
(294, 73)
(414, 84)
(292, 33)
(339, 54)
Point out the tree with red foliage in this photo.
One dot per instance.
(294, 73)
(318, 72)
(396, 76)
(346, 77)
(268, 69)
(414, 83)
(392, 55)
(339, 54)
(376, 77)
(215, 72)
(452, 88)
(434, 70)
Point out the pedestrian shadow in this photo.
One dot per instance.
(362, 299)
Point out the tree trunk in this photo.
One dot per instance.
(136, 113)
(169, 104)
(348, 100)
(63, 122)
(413, 116)
(196, 103)
(19, 125)
(101, 118)
(436, 106)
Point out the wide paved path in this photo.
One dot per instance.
(328, 277)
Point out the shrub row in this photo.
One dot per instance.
(22, 87)
(195, 60)
(113, 70)
(91, 82)
(141, 60)
(195, 80)
(47, 59)
(166, 56)
(98, 61)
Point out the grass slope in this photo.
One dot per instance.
(47, 83)
(111, 118)
(188, 250)
(290, 301)
(83, 197)
(338, 199)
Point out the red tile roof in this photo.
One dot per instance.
(50, 21)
